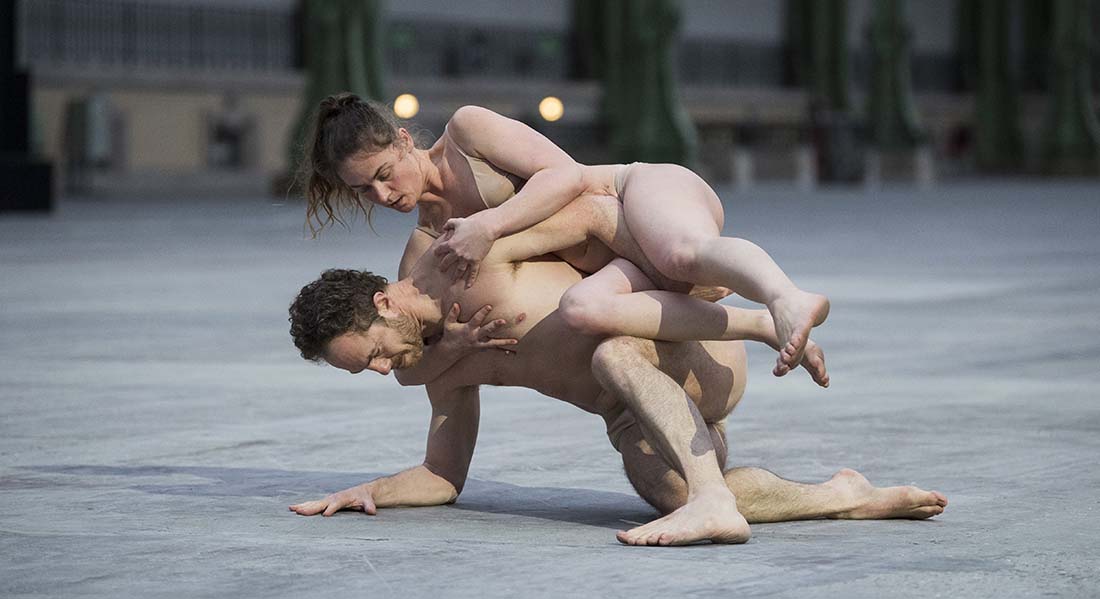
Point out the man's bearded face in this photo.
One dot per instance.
(409, 335)
(389, 343)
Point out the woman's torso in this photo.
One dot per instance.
(472, 184)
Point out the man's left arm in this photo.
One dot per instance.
(438, 480)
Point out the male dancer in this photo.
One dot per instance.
(664, 403)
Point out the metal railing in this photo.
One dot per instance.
(136, 34)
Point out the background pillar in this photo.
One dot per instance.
(999, 143)
(26, 182)
(1071, 144)
(343, 47)
(891, 110)
(818, 61)
(646, 120)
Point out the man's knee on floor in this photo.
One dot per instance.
(654, 481)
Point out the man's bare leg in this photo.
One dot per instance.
(680, 435)
(764, 497)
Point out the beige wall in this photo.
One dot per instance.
(166, 129)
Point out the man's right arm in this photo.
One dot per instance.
(452, 435)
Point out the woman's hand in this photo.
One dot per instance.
(465, 243)
(356, 498)
(475, 334)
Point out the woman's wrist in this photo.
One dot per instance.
(491, 221)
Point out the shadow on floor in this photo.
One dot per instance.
(578, 506)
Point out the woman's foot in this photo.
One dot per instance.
(875, 503)
(813, 360)
(709, 516)
(794, 315)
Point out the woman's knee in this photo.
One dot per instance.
(585, 310)
(683, 259)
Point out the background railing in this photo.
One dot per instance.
(122, 33)
(137, 34)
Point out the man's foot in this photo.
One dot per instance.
(710, 516)
(813, 360)
(794, 315)
(874, 503)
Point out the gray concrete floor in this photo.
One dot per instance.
(155, 420)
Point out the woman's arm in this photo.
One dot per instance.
(553, 180)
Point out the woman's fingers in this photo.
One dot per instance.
(471, 275)
(448, 261)
(460, 270)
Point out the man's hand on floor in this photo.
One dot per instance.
(356, 498)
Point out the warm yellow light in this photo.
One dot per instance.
(551, 108)
(406, 106)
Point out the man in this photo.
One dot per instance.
(664, 403)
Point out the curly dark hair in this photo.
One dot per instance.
(338, 302)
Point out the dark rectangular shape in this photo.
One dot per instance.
(25, 185)
(14, 113)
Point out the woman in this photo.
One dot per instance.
(489, 176)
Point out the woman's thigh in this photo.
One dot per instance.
(667, 204)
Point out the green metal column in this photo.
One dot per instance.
(891, 111)
(1072, 141)
(999, 144)
(587, 17)
(817, 35)
(344, 45)
(646, 119)
(1035, 71)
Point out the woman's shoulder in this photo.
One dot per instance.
(467, 122)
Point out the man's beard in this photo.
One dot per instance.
(409, 332)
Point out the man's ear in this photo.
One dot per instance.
(383, 305)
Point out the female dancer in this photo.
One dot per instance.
(489, 176)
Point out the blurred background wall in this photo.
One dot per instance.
(152, 96)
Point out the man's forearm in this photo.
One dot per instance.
(416, 487)
(437, 358)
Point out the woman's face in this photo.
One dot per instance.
(389, 178)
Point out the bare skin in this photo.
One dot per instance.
(708, 381)
(675, 216)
